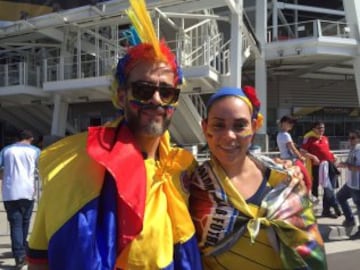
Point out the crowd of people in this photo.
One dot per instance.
(122, 196)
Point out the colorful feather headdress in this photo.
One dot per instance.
(144, 44)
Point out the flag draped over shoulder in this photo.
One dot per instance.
(94, 198)
(80, 201)
(285, 212)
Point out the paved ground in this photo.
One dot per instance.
(341, 252)
(347, 260)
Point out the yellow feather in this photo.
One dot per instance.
(143, 25)
(143, 19)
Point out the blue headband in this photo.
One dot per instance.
(224, 92)
(247, 94)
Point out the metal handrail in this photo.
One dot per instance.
(199, 105)
(311, 28)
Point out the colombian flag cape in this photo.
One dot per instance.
(94, 201)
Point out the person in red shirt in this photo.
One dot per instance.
(316, 143)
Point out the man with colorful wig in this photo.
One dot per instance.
(113, 197)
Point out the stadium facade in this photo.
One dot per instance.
(56, 61)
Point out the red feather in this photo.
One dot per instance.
(250, 92)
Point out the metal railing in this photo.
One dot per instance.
(199, 105)
(308, 29)
(77, 67)
(20, 73)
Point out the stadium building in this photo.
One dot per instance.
(56, 61)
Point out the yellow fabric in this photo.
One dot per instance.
(244, 255)
(310, 134)
(308, 166)
(141, 20)
(257, 255)
(308, 161)
(11, 10)
(165, 212)
(145, 251)
(57, 165)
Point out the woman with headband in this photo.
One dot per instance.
(249, 212)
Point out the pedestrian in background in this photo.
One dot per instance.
(19, 162)
(317, 144)
(289, 151)
(285, 143)
(351, 189)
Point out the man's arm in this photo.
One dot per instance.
(305, 151)
(293, 149)
(315, 159)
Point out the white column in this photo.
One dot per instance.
(236, 44)
(58, 126)
(274, 35)
(66, 57)
(78, 54)
(260, 64)
(352, 13)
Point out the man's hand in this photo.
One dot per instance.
(315, 160)
(342, 165)
(284, 162)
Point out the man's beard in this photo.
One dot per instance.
(151, 128)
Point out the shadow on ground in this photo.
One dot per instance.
(335, 232)
(4, 258)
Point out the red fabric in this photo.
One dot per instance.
(126, 164)
(307, 177)
(36, 261)
(319, 147)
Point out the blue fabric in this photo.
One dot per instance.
(187, 255)
(93, 234)
(329, 199)
(19, 215)
(223, 92)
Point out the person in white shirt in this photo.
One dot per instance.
(19, 162)
(351, 189)
(284, 141)
(289, 151)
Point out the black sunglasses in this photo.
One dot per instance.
(144, 91)
(352, 138)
